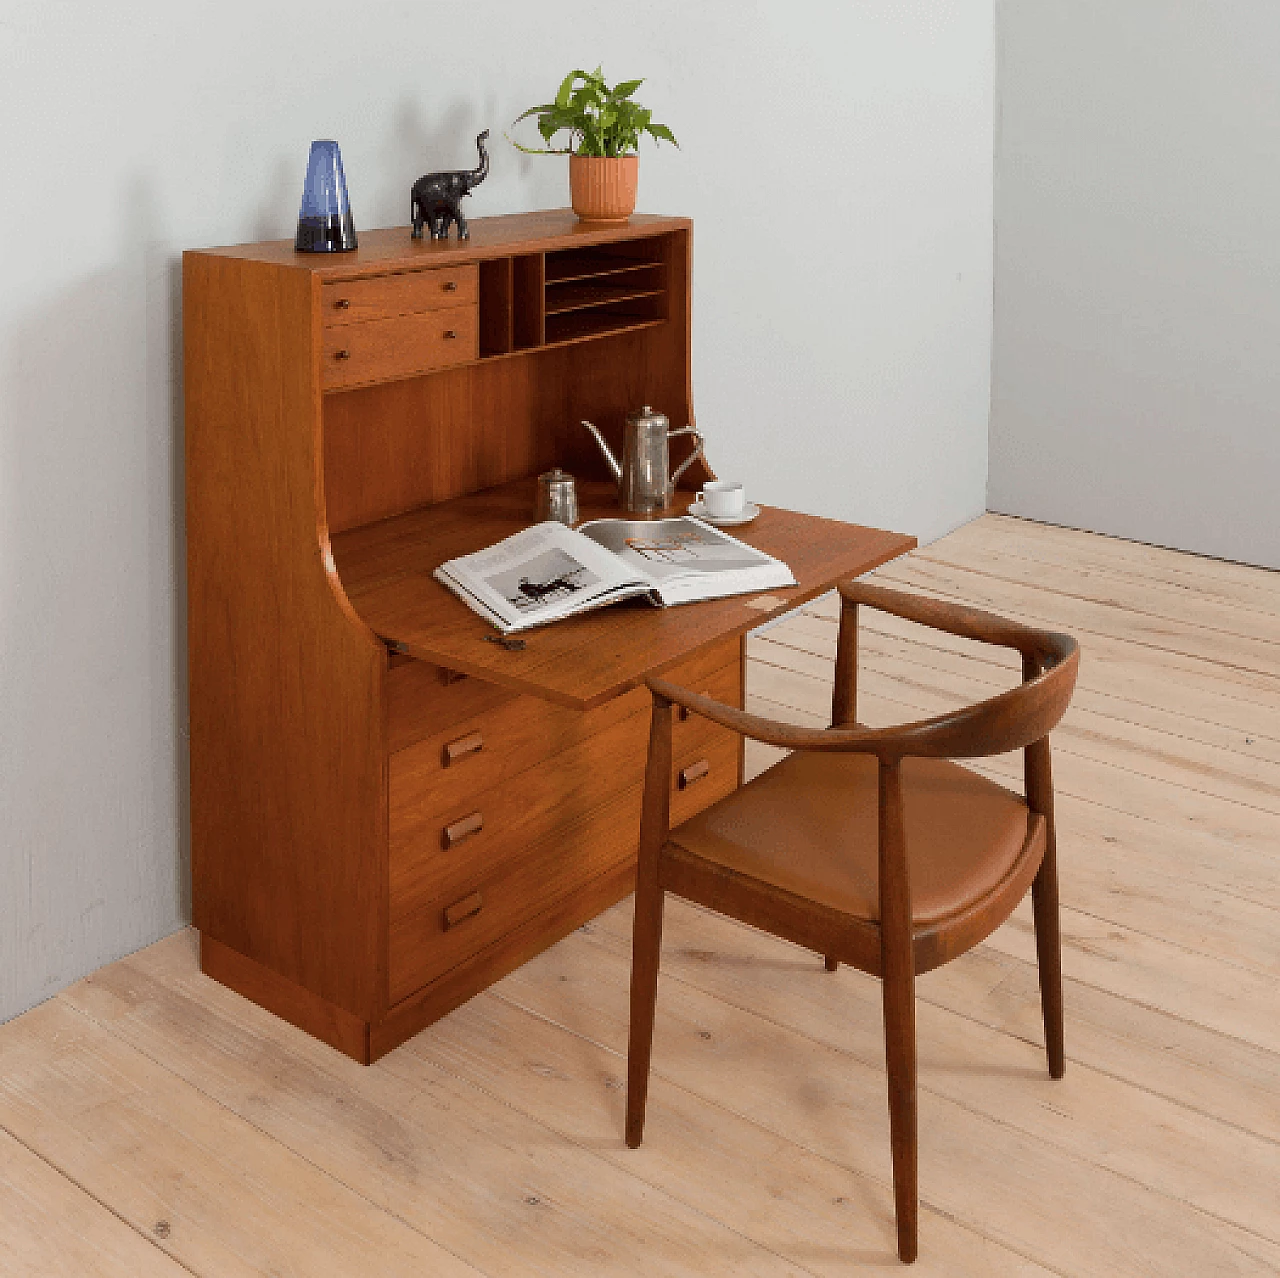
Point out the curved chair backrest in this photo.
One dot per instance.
(1009, 721)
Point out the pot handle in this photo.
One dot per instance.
(693, 456)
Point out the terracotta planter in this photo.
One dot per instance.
(603, 190)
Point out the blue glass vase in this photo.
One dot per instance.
(324, 222)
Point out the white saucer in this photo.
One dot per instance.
(749, 512)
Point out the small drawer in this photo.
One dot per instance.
(723, 685)
(384, 349)
(428, 701)
(701, 776)
(385, 296)
(502, 893)
(492, 746)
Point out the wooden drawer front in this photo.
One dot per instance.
(424, 701)
(489, 747)
(389, 295)
(494, 745)
(705, 771)
(500, 894)
(427, 703)
(493, 890)
(431, 853)
(380, 350)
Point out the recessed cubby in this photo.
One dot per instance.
(571, 295)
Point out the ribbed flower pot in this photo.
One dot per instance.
(603, 190)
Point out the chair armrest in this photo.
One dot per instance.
(1044, 646)
(790, 736)
(1007, 721)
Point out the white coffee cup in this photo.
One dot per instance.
(722, 499)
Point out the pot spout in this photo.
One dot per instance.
(606, 450)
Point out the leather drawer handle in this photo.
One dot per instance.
(464, 829)
(694, 772)
(343, 354)
(343, 303)
(462, 910)
(462, 747)
(450, 333)
(451, 286)
(682, 713)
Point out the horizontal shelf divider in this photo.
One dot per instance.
(588, 297)
(594, 272)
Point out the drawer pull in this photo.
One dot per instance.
(451, 286)
(462, 910)
(462, 747)
(464, 829)
(343, 303)
(682, 713)
(451, 333)
(342, 354)
(694, 772)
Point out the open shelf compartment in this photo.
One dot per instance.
(573, 294)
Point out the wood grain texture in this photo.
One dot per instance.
(767, 1142)
(288, 809)
(383, 296)
(582, 662)
(321, 399)
(404, 443)
(50, 1226)
(382, 350)
(393, 249)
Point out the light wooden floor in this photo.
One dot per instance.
(155, 1124)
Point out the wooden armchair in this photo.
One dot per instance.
(868, 847)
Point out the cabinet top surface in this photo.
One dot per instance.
(394, 248)
(582, 661)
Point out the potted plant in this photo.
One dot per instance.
(604, 127)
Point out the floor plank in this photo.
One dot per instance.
(832, 1102)
(1096, 1117)
(1132, 560)
(484, 1181)
(154, 1123)
(225, 1198)
(50, 1228)
(821, 1215)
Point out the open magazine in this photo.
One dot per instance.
(549, 571)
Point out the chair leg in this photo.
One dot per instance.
(832, 962)
(900, 1061)
(1044, 902)
(646, 949)
(898, 977)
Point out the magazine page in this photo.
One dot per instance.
(687, 559)
(540, 575)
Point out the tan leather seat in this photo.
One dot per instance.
(809, 826)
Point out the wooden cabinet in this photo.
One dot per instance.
(388, 812)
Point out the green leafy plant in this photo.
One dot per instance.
(600, 121)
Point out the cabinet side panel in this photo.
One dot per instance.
(288, 771)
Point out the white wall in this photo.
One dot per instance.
(837, 160)
(1137, 319)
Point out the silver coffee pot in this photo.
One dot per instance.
(644, 484)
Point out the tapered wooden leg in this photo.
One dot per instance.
(900, 1062)
(1044, 901)
(898, 973)
(645, 951)
(832, 963)
(646, 945)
